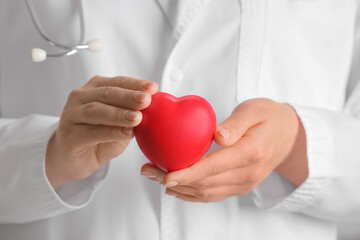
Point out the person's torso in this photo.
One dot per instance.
(225, 51)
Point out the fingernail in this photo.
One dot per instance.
(223, 133)
(139, 97)
(127, 131)
(131, 116)
(173, 194)
(148, 174)
(147, 85)
(171, 184)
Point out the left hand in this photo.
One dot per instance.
(259, 137)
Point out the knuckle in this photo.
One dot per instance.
(74, 94)
(90, 109)
(118, 116)
(212, 169)
(201, 184)
(95, 79)
(105, 92)
(119, 81)
(203, 194)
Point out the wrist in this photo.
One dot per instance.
(53, 171)
(295, 167)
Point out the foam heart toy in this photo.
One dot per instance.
(176, 132)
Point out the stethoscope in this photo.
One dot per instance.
(39, 55)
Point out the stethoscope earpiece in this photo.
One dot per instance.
(95, 45)
(38, 55)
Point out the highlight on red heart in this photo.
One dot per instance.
(176, 132)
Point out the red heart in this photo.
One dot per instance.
(176, 132)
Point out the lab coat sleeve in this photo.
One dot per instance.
(331, 190)
(25, 192)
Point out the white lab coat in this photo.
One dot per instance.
(293, 51)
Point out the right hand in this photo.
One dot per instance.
(96, 125)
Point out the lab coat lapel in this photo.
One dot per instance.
(169, 9)
(181, 13)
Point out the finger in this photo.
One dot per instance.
(124, 82)
(215, 163)
(109, 150)
(96, 113)
(114, 96)
(152, 172)
(245, 177)
(181, 196)
(245, 116)
(84, 135)
(207, 195)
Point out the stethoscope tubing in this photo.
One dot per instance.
(41, 31)
(69, 50)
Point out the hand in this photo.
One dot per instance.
(259, 137)
(96, 125)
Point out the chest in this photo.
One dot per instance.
(227, 52)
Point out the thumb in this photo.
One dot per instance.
(235, 126)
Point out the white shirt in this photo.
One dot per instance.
(294, 51)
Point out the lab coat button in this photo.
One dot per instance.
(176, 75)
